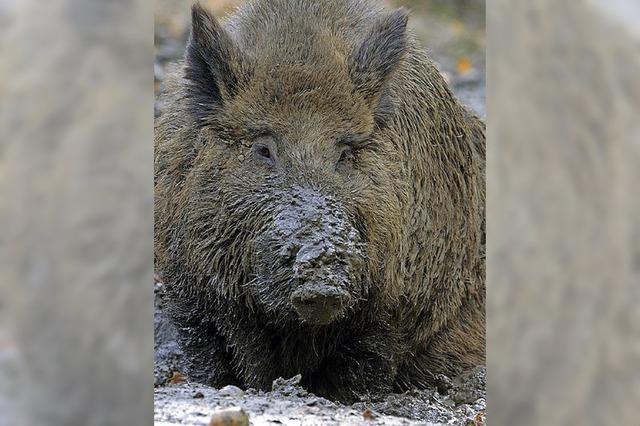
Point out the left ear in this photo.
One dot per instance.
(214, 65)
(374, 60)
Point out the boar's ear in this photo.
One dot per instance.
(214, 65)
(373, 61)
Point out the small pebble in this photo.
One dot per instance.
(198, 395)
(229, 417)
(312, 402)
(231, 390)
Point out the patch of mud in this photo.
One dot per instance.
(288, 403)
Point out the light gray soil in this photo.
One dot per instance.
(290, 404)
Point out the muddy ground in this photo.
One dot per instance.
(454, 35)
(289, 404)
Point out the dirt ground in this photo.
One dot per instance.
(454, 35)
(289, 404)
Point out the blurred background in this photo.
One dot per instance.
(76, 212)
(563, 212)
(452, 31)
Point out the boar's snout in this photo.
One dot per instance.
(311, 258)
(320, 304)
(324, 277)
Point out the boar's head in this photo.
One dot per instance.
(292, 192)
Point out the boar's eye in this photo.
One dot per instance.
(262, 152)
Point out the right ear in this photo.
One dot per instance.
(214, 65)
(378, 55)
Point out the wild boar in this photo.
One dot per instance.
(319, 202)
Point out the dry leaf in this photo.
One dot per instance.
(368, 414)
(177, 378)
(464, 65)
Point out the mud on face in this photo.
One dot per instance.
(310, 259)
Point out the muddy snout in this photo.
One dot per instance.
(319, 254)
(325, 280)
(320, 304)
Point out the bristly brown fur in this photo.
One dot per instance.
(355, 115)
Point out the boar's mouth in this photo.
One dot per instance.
(320, 304)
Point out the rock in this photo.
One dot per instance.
(289, 387)
(312, 402)
(231, 390)
(281, 382)
(229, 417)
